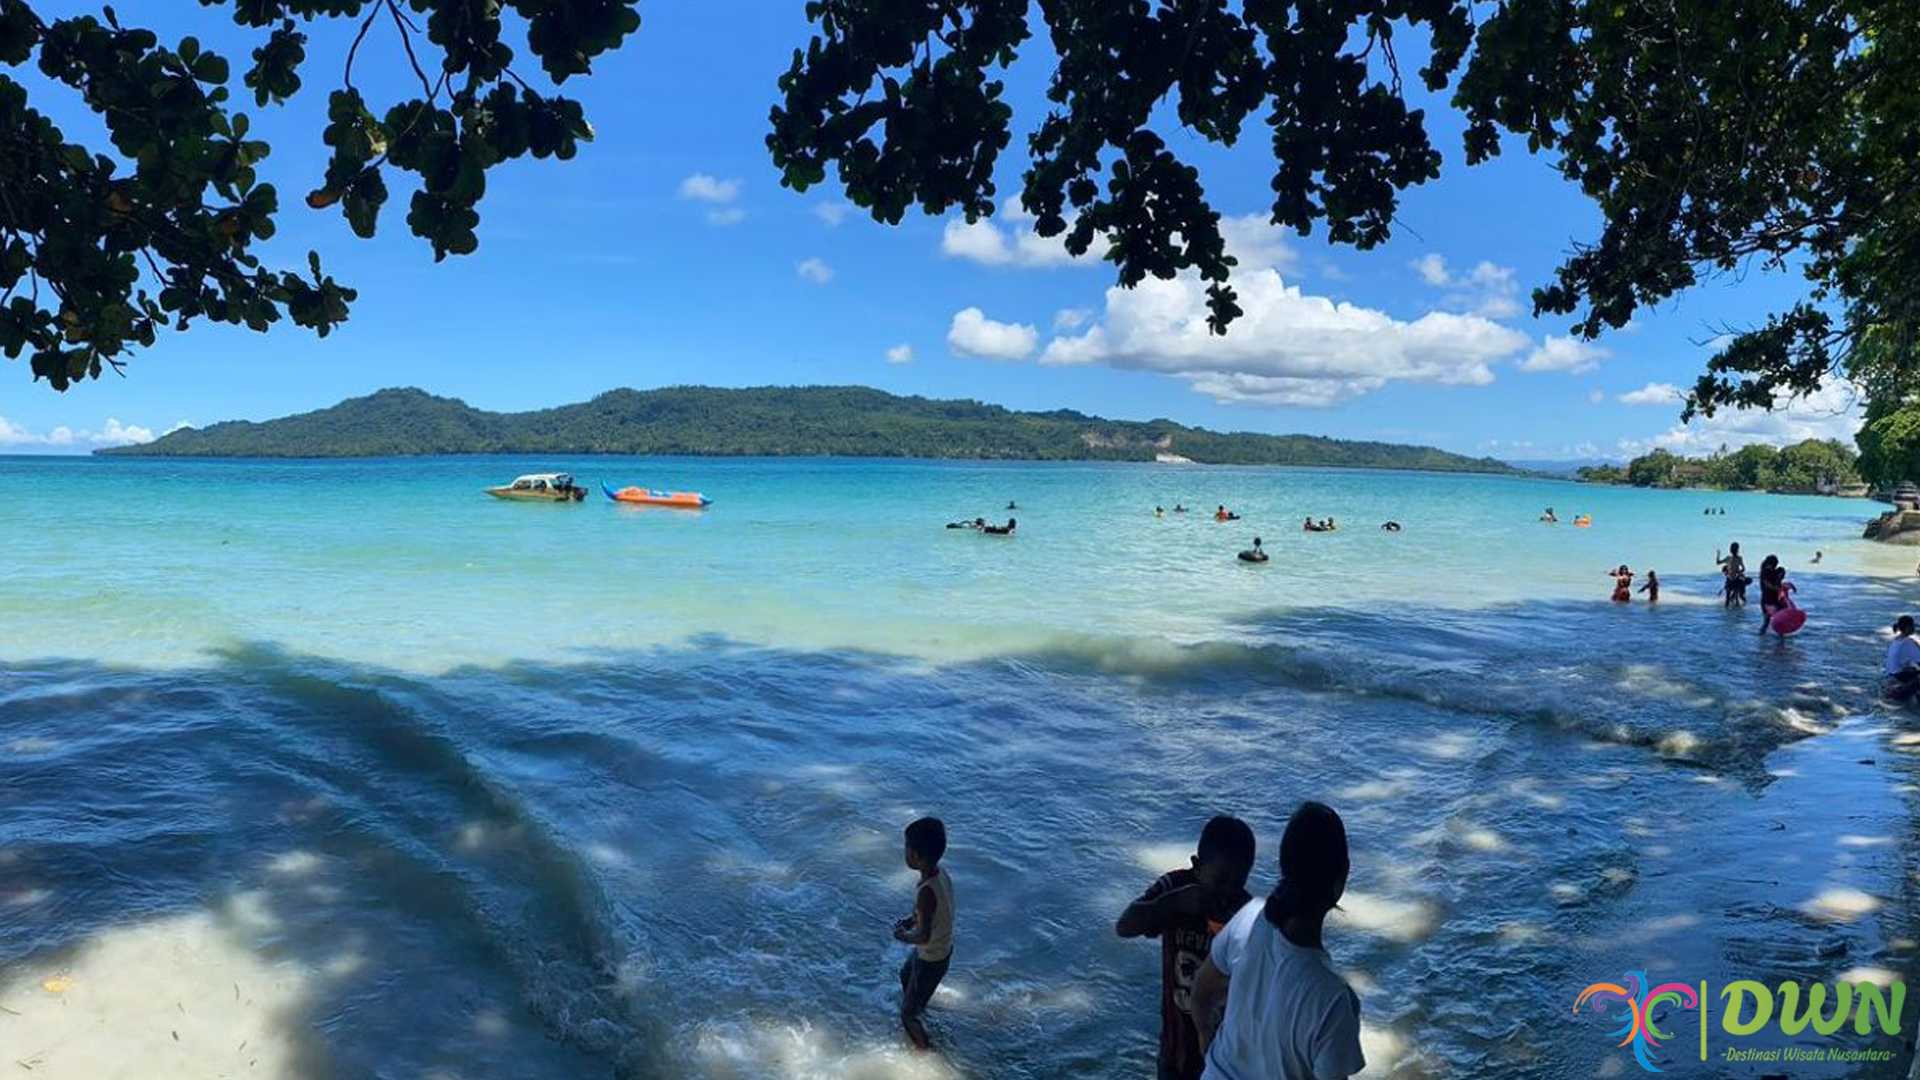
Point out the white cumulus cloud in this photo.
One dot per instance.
(1564, 354)
(118, 434)
(12, 434)
(718, 194)
(1288, 348)
(1071, 318)
(832, 212)
(986, 243)
(700, 187)
(1487, 290)
(900, 354)
(1832, 412)
(112, 433)
(814, 271)
(1433, 267)
(1654, 393)
(1250, 238)
(973, 334)
(1256, 244)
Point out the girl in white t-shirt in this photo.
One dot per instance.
(1289, 1015)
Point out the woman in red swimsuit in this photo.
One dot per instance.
(1622, 585)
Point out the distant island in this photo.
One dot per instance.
(1808, 467)
(844, 421)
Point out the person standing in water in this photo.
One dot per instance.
(929, 929)
(1288, 1014)
(1185, 909)
(1903, 661)
(1774, 588)
(1652, 588)
(1622, 584)
(1735, 569)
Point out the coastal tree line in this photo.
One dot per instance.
(1710, 135)
(1805, 466)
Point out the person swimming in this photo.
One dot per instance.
(1011, 506)
(1254, 554)
(1390, 526)
(1815, 561)
(1549, 517)
(1622, 584)
(1000, 530)
(1158, 512)
(1309, 526)
(976, 523)
(1178, 509)
(1224, 514)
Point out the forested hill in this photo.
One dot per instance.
(766, 421)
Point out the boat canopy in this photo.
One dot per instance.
(542, 482)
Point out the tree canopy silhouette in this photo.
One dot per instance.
(1709, 133)
(101, 251)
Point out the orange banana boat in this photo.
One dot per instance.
(684, 500)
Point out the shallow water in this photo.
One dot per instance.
(350, 764)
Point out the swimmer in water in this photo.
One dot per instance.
(1548, 517)
(1391, 526)
(1000, 530)
(1157, 512)
(1255, 554)
(1816, 559)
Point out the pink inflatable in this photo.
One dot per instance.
(1787, 620)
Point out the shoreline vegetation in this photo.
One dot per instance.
(811, 421)
(1808, 467)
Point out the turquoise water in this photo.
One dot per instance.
(405, 564)
(544, 790)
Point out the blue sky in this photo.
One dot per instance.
(668, 253)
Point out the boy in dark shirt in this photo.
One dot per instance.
(1185, 909)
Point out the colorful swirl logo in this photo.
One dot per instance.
(1639, 1028)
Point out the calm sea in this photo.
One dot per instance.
(345, 769)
